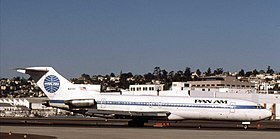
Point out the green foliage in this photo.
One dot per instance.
(241, 73)
(276, 87)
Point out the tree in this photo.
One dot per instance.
(139, 79)
(261, 72)
(123, 80)
(188, 74)
(112, 75)
(169, 79)
(170, 76)
(178, 77)
(198, 72)
(149, 77)
(218, 71)
(241, 73)
(156, 71)
(86, 78)
(164, 75)
(276, 87)
(255, 72)
(248, 73)
(269, 70)
(208, 72)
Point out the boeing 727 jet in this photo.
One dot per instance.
(67, 96)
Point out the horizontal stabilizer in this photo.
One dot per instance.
(26, 70)
(35, 72)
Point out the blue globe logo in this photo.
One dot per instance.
(51, 83)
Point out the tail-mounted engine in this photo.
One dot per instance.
(81, 103)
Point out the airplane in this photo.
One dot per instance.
(65, 95)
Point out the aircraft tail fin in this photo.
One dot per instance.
(50, 81)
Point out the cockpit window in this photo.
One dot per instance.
(259, 106)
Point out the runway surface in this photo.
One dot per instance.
(69, 132)
(61, 127)
(70, 121)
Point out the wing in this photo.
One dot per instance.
(147, 114)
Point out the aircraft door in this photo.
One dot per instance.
(150, 104)
(103, 102)
(159, 105)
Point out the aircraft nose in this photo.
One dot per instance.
(268, 114)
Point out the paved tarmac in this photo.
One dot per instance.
(139, 133)
(265, 124)
(11, 135)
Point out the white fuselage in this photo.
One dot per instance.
(183, 107)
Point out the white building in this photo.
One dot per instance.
(146, 87)
(226, 84)
(24, 107)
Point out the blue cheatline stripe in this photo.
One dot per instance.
(187, 105)
(56, 101)
(245, 107)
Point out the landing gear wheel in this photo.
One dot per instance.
(136, 123)
(245, 126)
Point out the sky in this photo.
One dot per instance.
(108, 36)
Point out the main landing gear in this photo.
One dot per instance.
(246, 125)
(137, 122)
